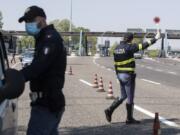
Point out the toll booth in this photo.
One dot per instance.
(10, 44)
(104, 48)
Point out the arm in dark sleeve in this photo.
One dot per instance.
(40, 64)
(138, 47)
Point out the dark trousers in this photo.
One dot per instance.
(127, 85)
(44, 122)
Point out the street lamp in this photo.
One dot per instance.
(70, 28)
(70, 24)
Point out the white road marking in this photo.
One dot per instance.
(173, 73)
(150, 59)
(94, 61)
(162, 119)
(159, 70)
(109, 69)
(151, 81)
(142, 65)
(117, 81)
(72, 56)
(102, 66)
(85, 82)
(149, 67)
(148, 113)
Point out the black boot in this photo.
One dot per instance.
(114, 105)
(130, 119)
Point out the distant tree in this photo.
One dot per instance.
(137, 40)
(1, 18)
(27, 42)
(112, 48)
(91, 40)
(64, 26)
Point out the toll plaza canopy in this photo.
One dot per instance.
(171, 34)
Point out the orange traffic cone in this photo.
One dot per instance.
(156, 125)
(110, 92)
(101, 87)
(95, 85)
(70, 71)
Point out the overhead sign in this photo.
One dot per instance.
(173, 31)
(135, 30)
(151, 30)
(173, 34)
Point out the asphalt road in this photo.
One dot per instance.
(156, 91)
(163, 71)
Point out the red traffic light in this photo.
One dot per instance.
(156, 20)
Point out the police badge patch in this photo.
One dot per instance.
(46, 50)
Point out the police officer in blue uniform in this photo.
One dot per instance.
(46, 74)
(125, 70)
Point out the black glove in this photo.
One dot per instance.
(14, 85)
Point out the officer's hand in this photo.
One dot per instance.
(14, 85)
(158, 35)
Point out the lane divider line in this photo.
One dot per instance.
(173, 73)
(109, 69)
(140, 109)
(159, 70)
(149, 67)
(151, 81)
(102, 66)
(85, 82)
(162, 119)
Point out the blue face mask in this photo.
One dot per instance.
(32, 28)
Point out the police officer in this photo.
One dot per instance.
(46, 74)
(125, 70)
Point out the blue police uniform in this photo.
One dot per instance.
(125, 70)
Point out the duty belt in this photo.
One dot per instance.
(35, 95)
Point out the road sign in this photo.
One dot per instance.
(156, 20)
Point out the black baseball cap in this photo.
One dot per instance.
(128, 37)
(31, 13)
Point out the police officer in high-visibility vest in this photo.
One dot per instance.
(125, 70)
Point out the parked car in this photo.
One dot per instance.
(8, 108)
(27, 58)
(138, 55)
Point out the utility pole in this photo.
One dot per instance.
(70, 25)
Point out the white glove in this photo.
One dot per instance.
(158, 35)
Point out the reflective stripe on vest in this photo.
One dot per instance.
(124, 62)
(125, 69)
(140, 46)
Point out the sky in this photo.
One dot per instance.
(98, 15)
